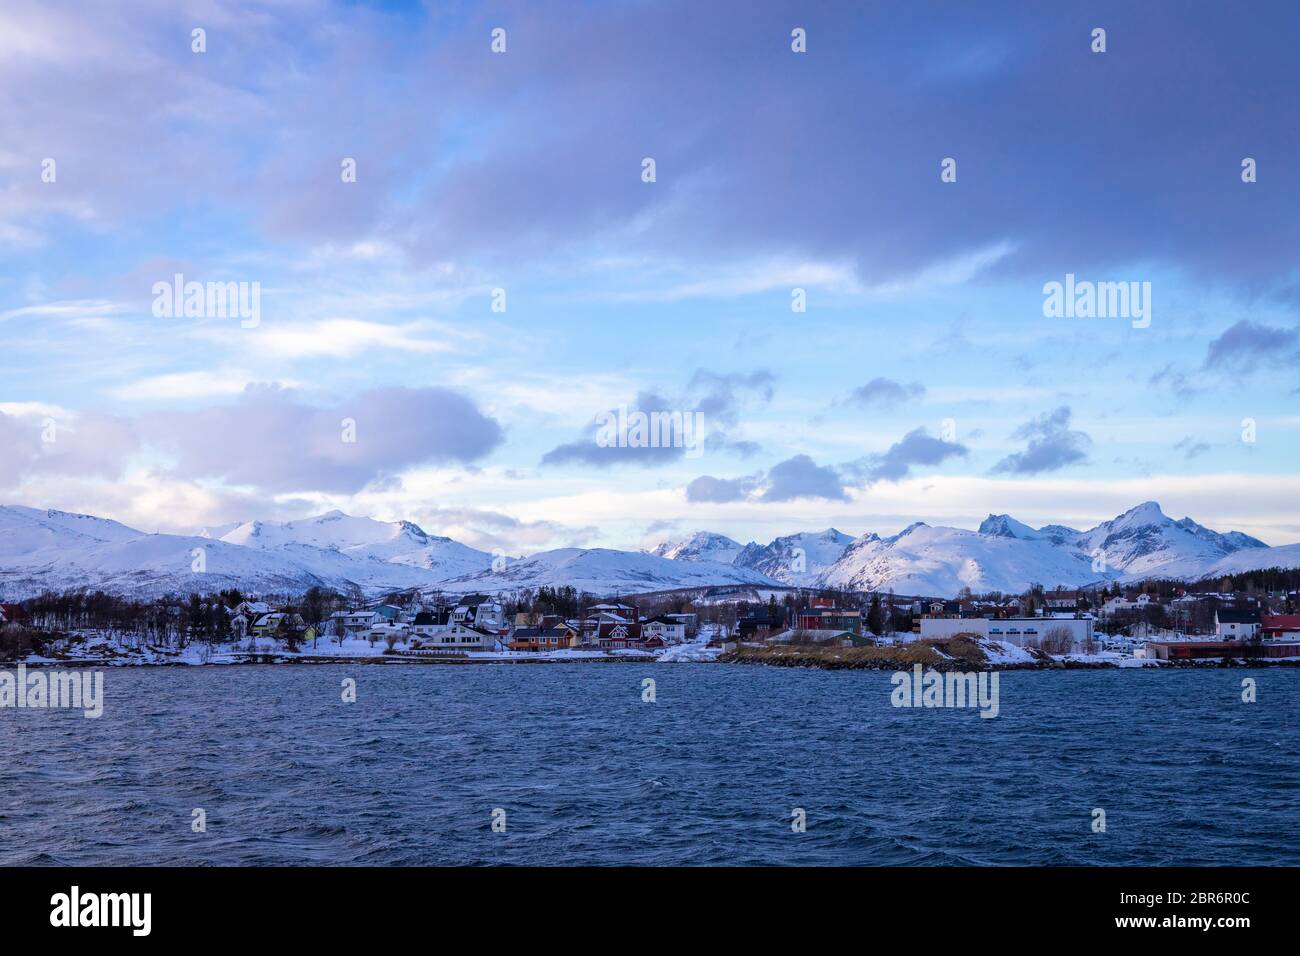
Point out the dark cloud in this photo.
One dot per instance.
(1247, 344)
(90, 445)
(917, 447)
(706, 488)
(885, 393)
(797, 477)
(708, 409)
(801, 477)
(270, 440)
(1052, 445)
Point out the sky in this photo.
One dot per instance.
(502, 271)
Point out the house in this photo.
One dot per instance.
(665, 628)
(354, 623)
(463, 637)
(249, 612)
(1236, 624)
(382, 631)
(599, 614)
(620, 634)
(269, 625)
(758, 627)
(1280, 627)
(823, 614)
(691, 620)
(428, 623)
(481, 612)
(389, 612)
(544, 638)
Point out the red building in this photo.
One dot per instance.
(1276, 627)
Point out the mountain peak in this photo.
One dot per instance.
(1005, 526)
(1148, 509)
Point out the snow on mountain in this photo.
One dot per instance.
(701, 546)
(603, 571)
(1005, 526)
(50, 526)
(1144, 542)
(1253, 559)
(53, 550)
(397, 542)
(941, 561)
(59, 550)
(798, 559)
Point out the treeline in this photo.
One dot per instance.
(169, 621)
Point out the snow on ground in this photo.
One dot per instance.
(1004, 652)
(689, 654)
(115, 650)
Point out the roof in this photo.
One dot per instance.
(1281, 622)
(1233, 615)
(531, 632)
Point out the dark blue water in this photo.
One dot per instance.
(589, 774)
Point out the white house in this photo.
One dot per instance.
(1236, 624)
(671, 631)
(383, 631)
(482, 613)
(463, 637)
(354, 623)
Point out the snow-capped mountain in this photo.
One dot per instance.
(604, 571)
(798, 559)
(1008, 555)
(941, 561)
(701, 546)
(1144, 542)
(58, 550)
(398, 542)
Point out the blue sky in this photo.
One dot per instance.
(922, 382)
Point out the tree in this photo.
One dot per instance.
(874, 624)
(286, 631)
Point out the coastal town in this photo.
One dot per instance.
(1115, 626)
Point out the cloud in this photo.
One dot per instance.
(917, 447)
(801, 477)
(885, 393)
(490, 530)
(794, 478)
(1247, 344)
(270, 440)
(1052, 445)
(90, 444)
(657, 430)
(706, 488)
(1191, 448)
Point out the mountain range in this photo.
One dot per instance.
(56, 550)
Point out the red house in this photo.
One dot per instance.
(1275, 627)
